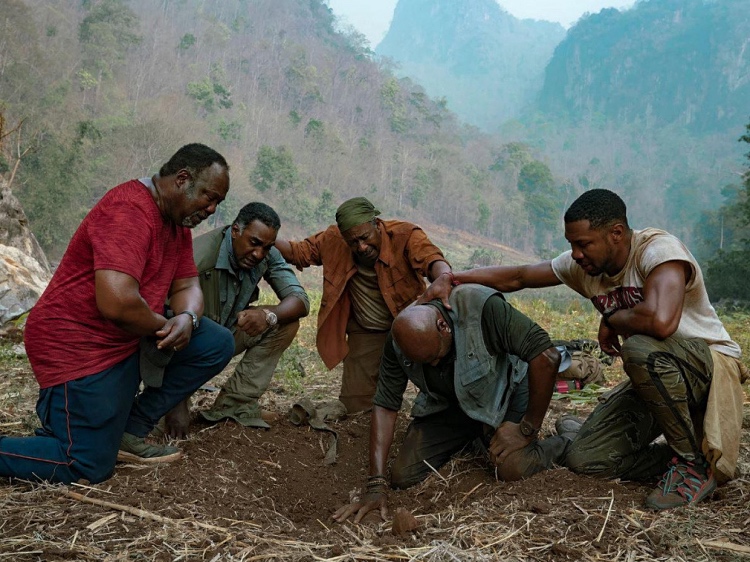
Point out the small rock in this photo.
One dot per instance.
(540, 507)
(404, 522)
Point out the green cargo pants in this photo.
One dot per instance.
(666, 394)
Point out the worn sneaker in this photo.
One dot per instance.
(568, 426)
(135, 449)
(683, 483)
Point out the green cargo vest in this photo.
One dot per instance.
(484, 383)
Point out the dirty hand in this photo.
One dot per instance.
(372, 500)
(176, 333)
(252, 321)
(507, 439)
(440, 288)
(609, 341)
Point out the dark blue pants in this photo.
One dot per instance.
(83, 420)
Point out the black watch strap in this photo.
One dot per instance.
(528, 430)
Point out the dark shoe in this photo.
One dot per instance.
(568, 426)
(135, 449)
(684, 483)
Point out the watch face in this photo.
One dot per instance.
(271, 318)
(526, 428)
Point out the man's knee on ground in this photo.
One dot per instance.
(583, 462)
(521, 464)
(94, 470)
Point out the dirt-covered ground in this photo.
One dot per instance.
(249, 494)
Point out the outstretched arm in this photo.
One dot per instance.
(285, 248)
(382, 426)
(504, 278)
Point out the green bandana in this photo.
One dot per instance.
(354, 212)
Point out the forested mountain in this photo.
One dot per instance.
(100, 91)
(484, 61)
(664, 62)
(108, 89)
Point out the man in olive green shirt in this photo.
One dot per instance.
(485, 374)
(231, 262)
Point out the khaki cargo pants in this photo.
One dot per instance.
(361, 367)
(253, 373)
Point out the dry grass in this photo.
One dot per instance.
(604, 522)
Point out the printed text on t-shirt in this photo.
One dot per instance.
(621, 297)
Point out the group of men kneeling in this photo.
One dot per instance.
(138, 316)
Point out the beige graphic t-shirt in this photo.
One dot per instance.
(650, 248)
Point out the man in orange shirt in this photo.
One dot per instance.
(372, 270)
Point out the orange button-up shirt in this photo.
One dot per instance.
(406, 255)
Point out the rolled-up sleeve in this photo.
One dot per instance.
(307, 252)
(422, 252)
(282, 279)
(392, 379)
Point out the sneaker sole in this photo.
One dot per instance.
(124, 456)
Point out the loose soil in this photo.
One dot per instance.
(243, 494)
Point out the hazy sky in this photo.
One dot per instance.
(372, 17)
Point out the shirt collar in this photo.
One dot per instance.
(226, 260)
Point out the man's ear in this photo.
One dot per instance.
(235, 231)
(617, 232)
(182, 177)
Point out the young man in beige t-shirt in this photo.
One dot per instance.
(657, 317)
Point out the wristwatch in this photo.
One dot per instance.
(193, 316)
(271, 318)
(528, 430)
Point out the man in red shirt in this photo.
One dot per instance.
(131, 252)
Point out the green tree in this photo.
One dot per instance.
(728, 272)
(275, 169)
(105, 34)
(537, 184)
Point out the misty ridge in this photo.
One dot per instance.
(463, 116)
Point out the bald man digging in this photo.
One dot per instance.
(485, 374)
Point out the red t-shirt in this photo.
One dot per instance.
(66, 336)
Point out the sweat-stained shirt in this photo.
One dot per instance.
(66, 336)
(650, 248)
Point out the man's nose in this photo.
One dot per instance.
(211, 209)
